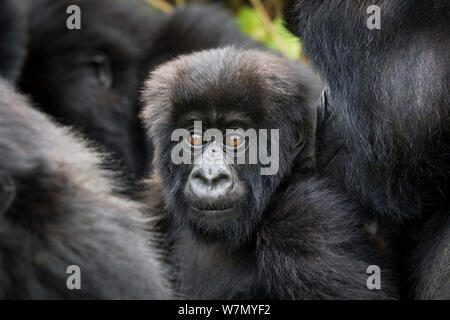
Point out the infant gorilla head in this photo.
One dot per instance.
(245, 120)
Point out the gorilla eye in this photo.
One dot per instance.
(102, 68)
(234, 141)
(196, 139)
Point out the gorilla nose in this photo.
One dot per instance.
(211, 177)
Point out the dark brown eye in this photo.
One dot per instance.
(196, 139)
(234, 141)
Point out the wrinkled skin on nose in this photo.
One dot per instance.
(213, 184)
(211, 181)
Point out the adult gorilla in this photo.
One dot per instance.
(386, 128)
(58, 208)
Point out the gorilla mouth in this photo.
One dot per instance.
(213, 210)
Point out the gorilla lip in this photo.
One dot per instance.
(213, 211)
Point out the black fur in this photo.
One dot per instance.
(295, 237)
(12, 39)
(61, 73)
(58, 208)
(386, 138)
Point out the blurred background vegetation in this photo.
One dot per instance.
(259, 19)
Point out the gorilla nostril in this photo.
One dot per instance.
(198, 176)
(222, 178)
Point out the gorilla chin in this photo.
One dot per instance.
(232, 227)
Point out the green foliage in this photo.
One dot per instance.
(250, 24)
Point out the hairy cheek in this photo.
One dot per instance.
(252, 181)
(175, 178)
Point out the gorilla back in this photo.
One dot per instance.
(58, 209)
(388, 99)
(386, 131)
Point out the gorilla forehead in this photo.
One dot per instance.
(219, 83)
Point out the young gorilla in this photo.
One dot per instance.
(234, 232)
(57, 209)
(385, 134)
(91, 78)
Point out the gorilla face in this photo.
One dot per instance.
(220, 194)
(238, 120)
(213, 186)
(90, 78)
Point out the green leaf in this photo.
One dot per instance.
(250, 24)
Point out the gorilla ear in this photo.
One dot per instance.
(7, 192)
(305, 153)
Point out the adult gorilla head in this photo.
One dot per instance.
(90, 78)
(217, 196)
